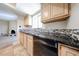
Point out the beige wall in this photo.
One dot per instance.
(19, 23)
(4, 27)
(56, 25)
(73, 21)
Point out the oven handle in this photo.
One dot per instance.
(45, 43)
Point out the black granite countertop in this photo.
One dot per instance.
(59, 37)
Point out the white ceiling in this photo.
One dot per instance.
(7, 16)
(29, 8)
(6, 13)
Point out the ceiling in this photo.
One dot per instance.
(6, 13)
(29, 8)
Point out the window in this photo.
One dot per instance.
(36, 20)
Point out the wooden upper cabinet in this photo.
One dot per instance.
(54, 11)
(59, 9)
(45, 11)
(26, 20)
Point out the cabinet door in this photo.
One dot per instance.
(45, 9)
(30, 45)
(26, 20)
(58, 10)
(66, 8)
(54, 12)
(25, 41)
(67, 51)
(21, 38)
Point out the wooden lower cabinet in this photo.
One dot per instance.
(64, 50)
(33, 46)
(25, 41)
(21, 38)
(30, 43)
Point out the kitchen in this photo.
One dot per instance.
(51, 14)
(52, 30)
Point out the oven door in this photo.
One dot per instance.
(48, 48)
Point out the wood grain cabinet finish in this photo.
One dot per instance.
(45, 9)
(25, 41)
(26, 20)
(65, 50)
(21, 38)
(30, 43)
(33, 44)
(59, 10)
(54, 12)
